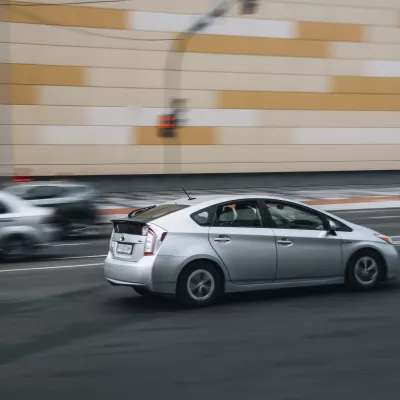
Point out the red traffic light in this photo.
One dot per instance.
(167, 125)
(167, 121)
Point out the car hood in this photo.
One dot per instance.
(361, 228)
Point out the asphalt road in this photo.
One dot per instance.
(66, 334)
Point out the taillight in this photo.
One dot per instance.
(150, 244)
(153, 242)
(112, 241)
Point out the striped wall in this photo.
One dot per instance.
(300, 86)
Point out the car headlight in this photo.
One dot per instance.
(386, 239)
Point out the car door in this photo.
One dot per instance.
(243, 243)
(305, 249)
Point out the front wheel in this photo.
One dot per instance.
(199, 285)
(15, 248)
(365, 271)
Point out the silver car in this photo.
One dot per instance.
(74, 203)
(23, 228)
(198, 249)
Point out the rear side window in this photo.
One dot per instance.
(158, 212)
(203, 217)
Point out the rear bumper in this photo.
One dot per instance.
(128, 273)
(158, 274)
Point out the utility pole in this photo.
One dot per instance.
(170, 122)
(249, 6)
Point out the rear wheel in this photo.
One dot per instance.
(199, 285)
(365, 271)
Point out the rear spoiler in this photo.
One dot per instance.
(124, 225)
(139, 211)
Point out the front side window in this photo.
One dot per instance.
(285, 216)
(241, 214)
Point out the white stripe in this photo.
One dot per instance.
(68, 135)
(49, 268)
(385, 217)
(358, 211)
(345, 136)
(360, 206)
(388, 68)
(169, 22)
(77, 257)
(68, 244)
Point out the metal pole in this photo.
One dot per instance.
(173, 78)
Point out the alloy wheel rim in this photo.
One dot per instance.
(200, 285)
(366, 270)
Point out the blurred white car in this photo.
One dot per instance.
(73, 203)
(24, 228)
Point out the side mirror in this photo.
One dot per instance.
(332, 228)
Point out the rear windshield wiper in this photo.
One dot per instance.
(134, 213)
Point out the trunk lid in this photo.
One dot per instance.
(128, 240)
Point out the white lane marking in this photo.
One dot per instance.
(77, 257)
(68, 244)
(395, 237)
(47, 268)
(360, 211)
(385, 217)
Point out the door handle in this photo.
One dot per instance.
(285, 242)
(6, 220)
(222, 239)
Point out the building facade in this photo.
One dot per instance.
(303, 85)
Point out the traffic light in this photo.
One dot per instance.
(167, 125)
(249, 6)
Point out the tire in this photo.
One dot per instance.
(365, 271)
(15, 248)
(199, 285)
(142, 291)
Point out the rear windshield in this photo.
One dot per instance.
(158, 212)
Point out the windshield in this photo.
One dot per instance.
(158, 212)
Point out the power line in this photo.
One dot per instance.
(15, 4)
(44, 21)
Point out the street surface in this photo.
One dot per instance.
(66, 334)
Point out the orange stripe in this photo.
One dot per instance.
(309, 202)
(115, 211)
(351, 201)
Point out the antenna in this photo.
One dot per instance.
(189, 197)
